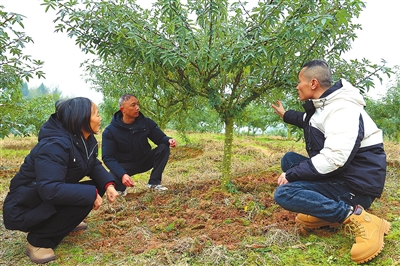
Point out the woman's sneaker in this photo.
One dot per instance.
(157, 187)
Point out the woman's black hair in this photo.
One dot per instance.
(75, 114)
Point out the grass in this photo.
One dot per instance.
(196, 222)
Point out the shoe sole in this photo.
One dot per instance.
(316, 225)
(156, 189)
(378, 247)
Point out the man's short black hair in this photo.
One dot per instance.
(319, 70)
(124, 98)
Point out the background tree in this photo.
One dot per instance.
(254, 119)
(15, 67)
(385, 110)
(25, 89)
(32, 109)
(42, 90)
(39, 91)
(227, 54)
(34, 112)
(198, 117)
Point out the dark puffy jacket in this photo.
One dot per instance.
(50, 176)
(122, 143)
(342, 141)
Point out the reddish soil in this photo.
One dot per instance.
(192, 214)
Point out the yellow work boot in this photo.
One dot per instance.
(313, 222)
(40, 255)
(368, 231)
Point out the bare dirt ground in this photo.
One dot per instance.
(191, 215)
(198, 211)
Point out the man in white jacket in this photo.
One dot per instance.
(346, 165)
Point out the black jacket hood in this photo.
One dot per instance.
(51, 128)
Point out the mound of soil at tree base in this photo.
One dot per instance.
(188, 216)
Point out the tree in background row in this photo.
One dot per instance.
(37, 104)
(211, 52)
(385, 110)
(28, 112)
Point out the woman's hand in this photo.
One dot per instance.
(97, 202)
(112, 193)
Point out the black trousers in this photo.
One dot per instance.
(51, 232)
(157, 160)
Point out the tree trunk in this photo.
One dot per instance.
(227, 160)
(289, 132)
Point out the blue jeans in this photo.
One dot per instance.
(291, 159)
(330, 200)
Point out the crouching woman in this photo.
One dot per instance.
(46, 198)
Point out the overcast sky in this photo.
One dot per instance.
(62, 58)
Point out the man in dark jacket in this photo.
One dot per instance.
(126, 150)
(346, 165)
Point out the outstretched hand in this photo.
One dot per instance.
(279, 108)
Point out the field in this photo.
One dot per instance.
(196, 222)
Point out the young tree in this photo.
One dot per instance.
(228, 54)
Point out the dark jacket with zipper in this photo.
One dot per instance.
(50, 176)
(123, 143)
